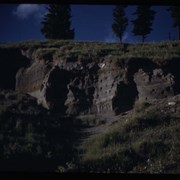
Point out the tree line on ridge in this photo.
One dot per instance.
(56, 24)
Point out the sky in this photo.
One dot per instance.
(22, 22)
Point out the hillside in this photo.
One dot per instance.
(70, 106)
(146, 140)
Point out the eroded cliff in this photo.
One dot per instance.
(104, 78)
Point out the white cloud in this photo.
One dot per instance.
(24, 11)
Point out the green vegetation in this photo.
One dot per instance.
(89, 120)
(31, 139)
(35, 142)
(147, 142)
(156, 51)
(160, 53)
(46, 53)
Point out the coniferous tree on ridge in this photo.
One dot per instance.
(56, 23)
(175, 13)
(120, 21)
(143, 22)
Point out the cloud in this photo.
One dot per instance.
(24, 11)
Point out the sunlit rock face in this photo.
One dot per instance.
(77, 87)
(155, 85)
(74, 85)
(97, 86)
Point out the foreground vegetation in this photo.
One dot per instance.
(32, 139)
(147, 142)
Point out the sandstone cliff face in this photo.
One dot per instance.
(102, 84)
(154, 86)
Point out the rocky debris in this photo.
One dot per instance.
(171, 103)
(19, 103)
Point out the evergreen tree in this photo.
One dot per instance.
(175, 13)
(143, 23)
(56, 23)
(120, 21)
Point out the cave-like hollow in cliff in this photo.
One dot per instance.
(173, 67)
(125, 97)
(11, 60)
(56, 90)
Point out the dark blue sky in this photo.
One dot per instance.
(21, 22)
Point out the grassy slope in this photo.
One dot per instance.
(31, 139)
(147, 142)
(158, 52)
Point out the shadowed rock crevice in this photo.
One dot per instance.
(134, 64)
(10, 62)
(56, 89)
(124, 98)
(173, 67)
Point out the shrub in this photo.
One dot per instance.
(88, 120)
(140, 106)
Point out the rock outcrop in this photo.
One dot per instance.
(72, 83)
(18, 104)
(154, 86)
